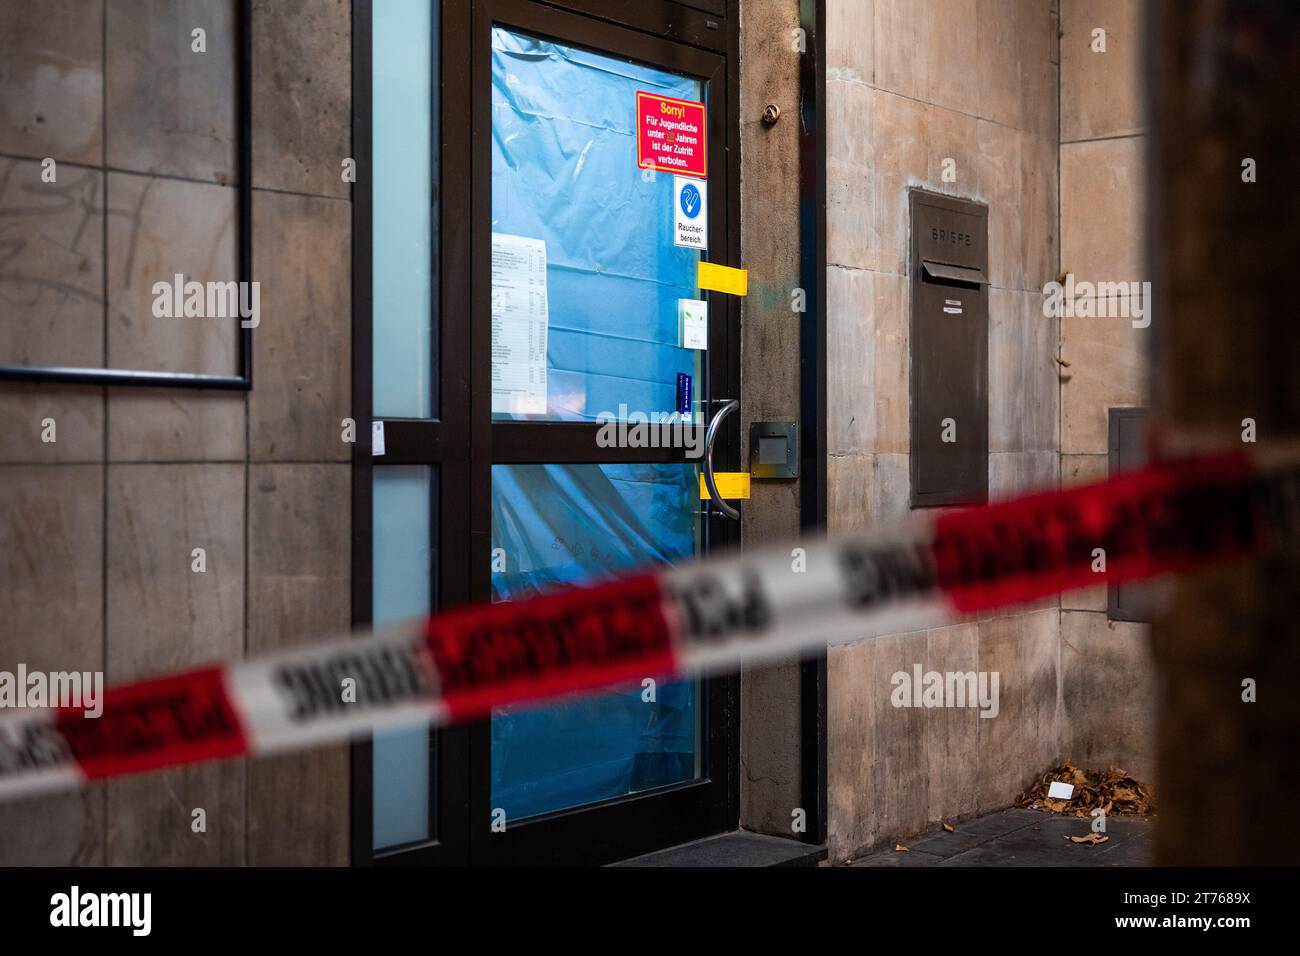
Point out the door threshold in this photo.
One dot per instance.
(737, 848)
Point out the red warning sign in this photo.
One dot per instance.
(670, 135)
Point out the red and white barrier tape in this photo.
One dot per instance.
(694, 619)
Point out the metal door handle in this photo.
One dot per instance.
(710, 436)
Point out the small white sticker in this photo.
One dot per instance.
(693, 315)
(690, 212)
(1060, 791)
(952, 306)
(376, 438)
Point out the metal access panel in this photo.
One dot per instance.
(949, 350)
(1128, 452)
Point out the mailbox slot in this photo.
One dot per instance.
(949, 350)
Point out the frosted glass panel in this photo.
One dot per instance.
(405, 116)
(403, 572)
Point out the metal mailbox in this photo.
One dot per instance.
(949, 350)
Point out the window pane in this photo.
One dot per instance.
(403, 573)
(405, 120)
(565, 524)
(598, 329)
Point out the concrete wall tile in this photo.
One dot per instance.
(850, 216)
(77, 413)
(52, 526)
(159, 228)
(902, 157)
(927, 51)
(1082, 470)
(1021, 650)
(1000, 183)
(302, 95)
(51, 273)
(1101, 92)
(53, 829)
(850, 481)
(892, 489)
(892, 326)
(1024, 379)
(302, 250)
(900, 766)
(770, 782)
(950, 135)
(1108, 367)
(299, 560)
(171, 109)
(1042, 668)
(163, 616)
(950, 53)
(299, 575)
(1016, 473)
(1102, 210)
(850, 134)
(1040, 251)
(1039, 71)
(151, 817)
(952, 733)
(900, 67)
(853, 815)
(851, 40)
(52, 72)
(176, 425)
(299, 810)
(1107, 694)
(850, 360)
(998, 64)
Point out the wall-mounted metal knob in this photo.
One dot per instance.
(771, 114)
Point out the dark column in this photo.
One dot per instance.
(1225, 252)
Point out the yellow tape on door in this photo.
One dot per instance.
(732, 485)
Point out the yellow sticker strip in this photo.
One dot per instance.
(716, 278)
(732, 485)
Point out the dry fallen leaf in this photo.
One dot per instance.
(1091, 839)
(899, 848)
(949, 827)
(1112, 790)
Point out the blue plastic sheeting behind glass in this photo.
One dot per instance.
(564, 524)
(404, 120)
(403, 575)
(564, 169)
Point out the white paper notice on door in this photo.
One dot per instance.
(519, 325)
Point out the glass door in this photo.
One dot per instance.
(533, 342)
(604, 361)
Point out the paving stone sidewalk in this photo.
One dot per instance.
(1023, 838)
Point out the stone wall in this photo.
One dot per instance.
(97, 528)
(1106, 672)
(981, 82)
(910, 85)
